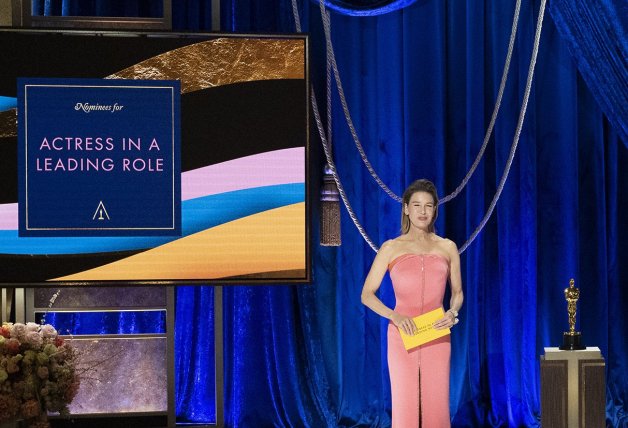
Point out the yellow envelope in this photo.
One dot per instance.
(425, 331)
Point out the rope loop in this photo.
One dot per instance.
(326, 137)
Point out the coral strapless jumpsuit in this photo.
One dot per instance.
(419, 378)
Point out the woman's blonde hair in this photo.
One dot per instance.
(421, 185)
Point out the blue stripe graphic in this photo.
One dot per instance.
(197, 215)
(7, 103)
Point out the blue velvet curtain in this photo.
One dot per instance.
(195, 379)
(421, 84)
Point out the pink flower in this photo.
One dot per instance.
(31, 326)
(59, 341)
(33, 339)
(48, 331)
(30, 409)
(5, 331)
(13, 346)
(18, 330)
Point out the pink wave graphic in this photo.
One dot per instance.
(264, 169)
(8, 217)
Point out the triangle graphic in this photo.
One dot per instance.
(101, 212)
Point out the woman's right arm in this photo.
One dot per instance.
(372, 284)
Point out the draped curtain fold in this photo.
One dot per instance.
(421, 83)
(596, 32)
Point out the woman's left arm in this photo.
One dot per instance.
(457, 297)
(455, 279)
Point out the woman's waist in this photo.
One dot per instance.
(414, 310)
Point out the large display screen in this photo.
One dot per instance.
(153, 158)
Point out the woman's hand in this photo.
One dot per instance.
(403, 323)
(448, 321)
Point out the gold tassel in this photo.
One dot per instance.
(330, 211)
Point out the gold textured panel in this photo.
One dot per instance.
(203, 65)
(222, 62)
(8, 123)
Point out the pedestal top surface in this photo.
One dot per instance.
(554, 353)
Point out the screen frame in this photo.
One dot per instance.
(307, 279)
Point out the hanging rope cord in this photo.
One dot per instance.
(343, 101)
(331, 56)
(498, 103)
(522, 113)
(327, 143)
(327, 146)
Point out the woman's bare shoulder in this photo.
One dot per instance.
(391, 248)
(448, 245)
(441, 240)
(445, 245)
(389, 245)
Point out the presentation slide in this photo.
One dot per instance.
(153, 158)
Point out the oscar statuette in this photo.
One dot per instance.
(572, 339)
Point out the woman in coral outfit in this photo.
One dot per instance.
(419, 263)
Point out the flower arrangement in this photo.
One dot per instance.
(38, 373)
